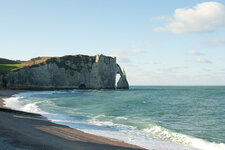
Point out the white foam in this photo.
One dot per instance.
(121, 118)
(169, 140)
(32, 108)
(155, 137)
(166, 134)
(205, 145)
(162, 133)
(130, 134)
(110, 130)
(15, 103)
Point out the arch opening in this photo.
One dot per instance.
(117, 79)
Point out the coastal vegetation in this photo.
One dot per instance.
(9, 66)
(6, 65)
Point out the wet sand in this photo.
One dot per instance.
(33, 132)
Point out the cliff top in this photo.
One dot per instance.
(7, 65)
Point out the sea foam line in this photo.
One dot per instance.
(122, 132)
(201, 144)
(107, 129)
(14, 103)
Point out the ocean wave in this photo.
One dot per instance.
(32, 107)
(110, 124)
(165, 134)
(153, 134)
(144, 134)
(13, 102)
(126, 133)
(129, 134)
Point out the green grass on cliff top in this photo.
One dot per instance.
(7, 67)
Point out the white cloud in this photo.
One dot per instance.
(213, 41)
(125, 51)
(201, 60)
(204, 17)
(193, 52)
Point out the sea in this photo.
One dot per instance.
(153, 117)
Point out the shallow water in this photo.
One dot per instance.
(154, 117)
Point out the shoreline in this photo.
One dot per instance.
(32, 131)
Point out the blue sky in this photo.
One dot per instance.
(176, 42)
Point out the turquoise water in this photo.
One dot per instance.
(191, 117)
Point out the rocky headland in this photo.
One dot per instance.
(67, 72)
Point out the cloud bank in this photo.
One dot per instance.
(201, 60)
(204, 17)
(193, 52)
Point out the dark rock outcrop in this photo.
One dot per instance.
(68, 72)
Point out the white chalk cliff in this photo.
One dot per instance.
(67, 72)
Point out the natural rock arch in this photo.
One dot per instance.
(122, 83)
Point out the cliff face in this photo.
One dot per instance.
(1, 81)
(68, 72)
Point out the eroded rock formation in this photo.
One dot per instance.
(68, 72)
(122, 83)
